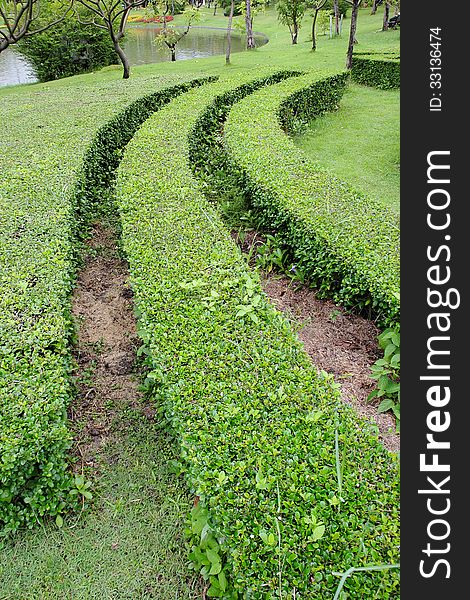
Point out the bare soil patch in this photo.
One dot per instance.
(106, 375)
(337, 341)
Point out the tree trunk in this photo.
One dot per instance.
(215, 8)
(295, 32)
(123, 58)
(352, 33)
(250, 40)
(229, 33)
(386, 16)
(173, 54)
(374, 7)
(314, 22)
(336, 9)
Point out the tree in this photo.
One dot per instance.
(229, 32)
(250, 40)
(352, 32)
(169, 36)
(386, 16)
(317, 7)
(24, 18)
(336, 13)
(290, 13)
(68, 48)
(112, 16)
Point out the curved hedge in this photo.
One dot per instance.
(44, 203)
(377, 70)
(345, 243)
(255, 422)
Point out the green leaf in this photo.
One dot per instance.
(214, 591)
(385, 405)
(392, 387)
(215, 568)
(317, 533)
(222, 581)
(271, 539)
(213, 556)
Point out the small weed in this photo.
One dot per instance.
(86, 376)
(81, 488)
(386, 371)
(271, 256)
(335, 313)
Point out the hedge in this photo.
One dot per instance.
(254, 421)
(43, 210)
(344, 242)
(377, 70)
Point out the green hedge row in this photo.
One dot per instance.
(345, 243)
(43, 207)
(377, 70)
(255, 422)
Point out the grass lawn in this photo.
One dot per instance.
(360, 142)
(129, 546)
(122, 548)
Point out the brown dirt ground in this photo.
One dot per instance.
(338, 342)
(107, 343)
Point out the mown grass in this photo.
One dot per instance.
(129, 545)
(279, 52)
(360, 142)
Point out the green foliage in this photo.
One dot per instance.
(255, 422)
(343, 5)
(291, 12)
(157, 8)
(68, 48)
(271, 256)
(378, 70)
(323, 22)
(237, 10)
(81, 488)
(206, 555)
(46, 203)
(346, 244)
(386, 371)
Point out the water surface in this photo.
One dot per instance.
(140, 48)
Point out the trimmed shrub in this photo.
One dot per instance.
(68, 48)
(255, 422)
(43, 209)
(346, 244)
(377, 70)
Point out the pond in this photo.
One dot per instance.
(15, 69)
(140, 49)
(199, 43)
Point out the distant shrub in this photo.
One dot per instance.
(378, 70)
(68, 48)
